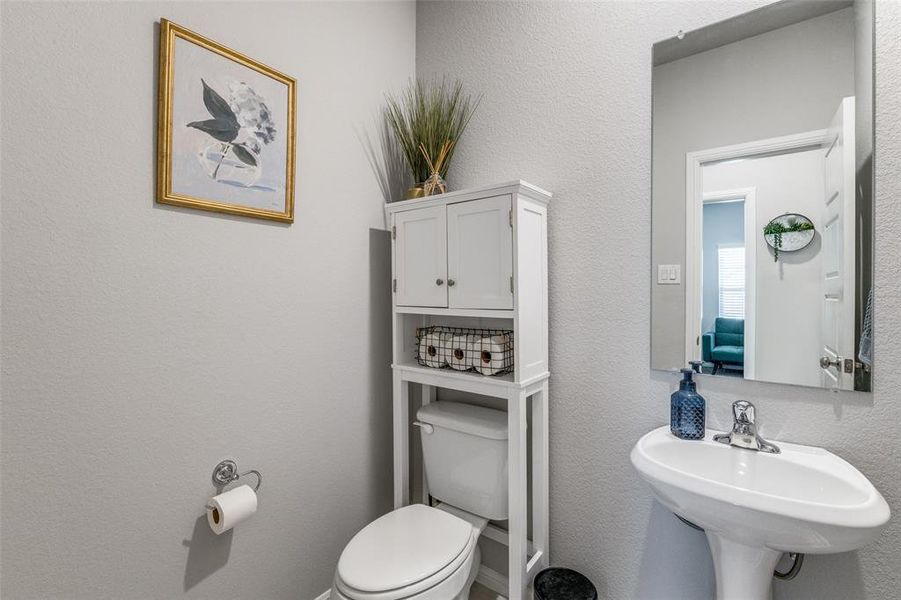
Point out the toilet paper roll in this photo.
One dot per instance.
(230, 508)
(430, 349)
(461, 352)
(446, 342)
(493, 355)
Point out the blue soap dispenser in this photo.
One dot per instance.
(688, 410)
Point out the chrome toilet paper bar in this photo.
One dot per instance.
(227, 471)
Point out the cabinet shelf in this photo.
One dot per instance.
(489, 313)
(466, 381)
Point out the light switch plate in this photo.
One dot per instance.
(669, 274)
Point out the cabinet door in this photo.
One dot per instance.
(420, 257)
(480, 254)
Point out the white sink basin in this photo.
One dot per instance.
(755, 506)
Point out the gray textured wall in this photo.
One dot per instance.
(567, 106)
(142, 344)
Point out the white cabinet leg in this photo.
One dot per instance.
(429, 394)
(518, 543)
(540, 483)
(401, 441)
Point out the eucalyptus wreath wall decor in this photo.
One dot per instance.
(427, 120)
(788, 233)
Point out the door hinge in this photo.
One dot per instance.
(394, 285)
(511, 284)
(394, 232)
(510, 214)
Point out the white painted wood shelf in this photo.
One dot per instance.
(478, 258)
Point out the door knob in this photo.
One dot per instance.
(451, 283)
(826, 362)
(439, 281)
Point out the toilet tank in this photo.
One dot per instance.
(465, 456)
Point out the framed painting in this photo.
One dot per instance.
(226, 129)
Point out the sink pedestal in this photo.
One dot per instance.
(742, 572)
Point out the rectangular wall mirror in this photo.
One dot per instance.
(762, 208)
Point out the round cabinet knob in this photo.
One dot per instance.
(451, 282)
(439, 281)
(826, 362)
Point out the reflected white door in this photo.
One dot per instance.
(420, 257)
(838, 251)
(480, 253)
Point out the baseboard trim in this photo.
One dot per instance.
(492, 580)
(324, 595)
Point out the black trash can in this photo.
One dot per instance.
(558, 583)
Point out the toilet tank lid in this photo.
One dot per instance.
(466, 418)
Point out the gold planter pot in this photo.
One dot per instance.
(419, 190)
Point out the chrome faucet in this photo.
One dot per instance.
(744, 430)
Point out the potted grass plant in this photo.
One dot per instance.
(427, 120)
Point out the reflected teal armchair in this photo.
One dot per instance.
(725, 345)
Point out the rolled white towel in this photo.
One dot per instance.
(462, 348)
(494, 354)
(430, 353)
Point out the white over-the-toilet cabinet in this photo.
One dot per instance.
(455, 255)
(478, 258)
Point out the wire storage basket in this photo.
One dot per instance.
(487, 351)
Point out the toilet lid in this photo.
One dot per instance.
(403, 547)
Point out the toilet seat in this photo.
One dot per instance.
(412, 550)
(441, 586)
(455, 587)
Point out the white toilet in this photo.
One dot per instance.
(418, 552)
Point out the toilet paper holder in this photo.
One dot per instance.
(227, 471)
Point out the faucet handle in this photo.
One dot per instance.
(743, 412)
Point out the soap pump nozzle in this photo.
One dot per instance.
(687, 381)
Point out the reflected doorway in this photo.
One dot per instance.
(727, 282)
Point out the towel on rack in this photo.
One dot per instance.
(865, 352)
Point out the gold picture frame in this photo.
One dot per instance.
(228, 162)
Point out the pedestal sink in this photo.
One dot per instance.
(756, 506)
